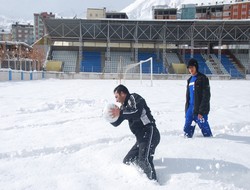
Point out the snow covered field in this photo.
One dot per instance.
(53, 136)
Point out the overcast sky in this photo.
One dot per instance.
(24, 9)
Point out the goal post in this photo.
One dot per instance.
(151, 69)
(133, 65)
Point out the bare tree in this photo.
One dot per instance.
(38, 55)
(2, 54)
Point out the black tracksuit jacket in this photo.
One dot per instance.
(201, 95)
(138, 114)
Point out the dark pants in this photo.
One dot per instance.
(142, 153)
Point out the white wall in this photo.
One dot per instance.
(38, 75)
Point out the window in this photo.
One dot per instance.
(172, 12)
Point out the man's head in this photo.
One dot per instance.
(193, 66)
(121, 93)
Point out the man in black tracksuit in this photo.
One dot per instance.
(142, 125)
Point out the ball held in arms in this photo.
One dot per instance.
(107, 114)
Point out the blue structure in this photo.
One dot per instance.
(31, 75)
(229, 66)
(22, 75)
(188, 11)
(10, 74)
(91, 62)
(157, 64)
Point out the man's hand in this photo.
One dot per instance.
(200, 116)
(115, 112)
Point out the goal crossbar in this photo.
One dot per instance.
(130, 66)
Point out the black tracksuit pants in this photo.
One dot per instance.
(142, 153)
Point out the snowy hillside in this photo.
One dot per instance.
(142, 9)
(53, 137)
(5, 23)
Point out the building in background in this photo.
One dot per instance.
(240, 10)
(209, 12)
(94, 13)
(164, 12)
(116, 15)
(188, 11)
(22, 33)
(236, 10)
(226, 15)
(5, 35)
(39, 28)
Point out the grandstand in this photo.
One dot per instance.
(69, 59)
(109, 45)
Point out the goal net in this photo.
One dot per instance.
(132, 69)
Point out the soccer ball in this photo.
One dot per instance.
(106, 113)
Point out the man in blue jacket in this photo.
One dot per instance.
(197, 104)
(142, 125)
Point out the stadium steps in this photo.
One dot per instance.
(221, 69)
(229, 66)
(68, 58)
(240, 67)
(175, 64)
(244, 60)
(118, 62)
(211, 64)
(172, 58)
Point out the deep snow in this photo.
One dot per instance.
(53, 136)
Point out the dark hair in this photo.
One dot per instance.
(121, 88)
(193, 62)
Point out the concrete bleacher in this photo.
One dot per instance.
(69, 59)
(172, 58)
(211, 64)
(221, 69)
(229, 66)
(118, 62)
(244, 59)
(91, 62)
(203, 68)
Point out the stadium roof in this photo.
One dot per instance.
(197, 32)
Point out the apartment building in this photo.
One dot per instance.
(39, 28)
(22, 33)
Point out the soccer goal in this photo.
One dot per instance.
(132, 69)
